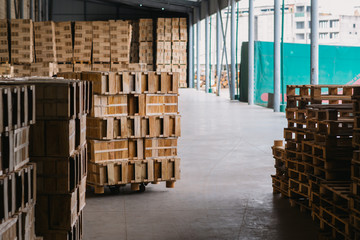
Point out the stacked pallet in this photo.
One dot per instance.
(133, 129)
(313, 169)
(17, 175)
(58, 147)
(101, 46)
(146, 42)
(64, 46)
(120, 39)
(4, 41)
(45, 48)
(171, 43)
(83, 39)
(22, 46)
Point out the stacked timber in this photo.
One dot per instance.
(4, 41)
(146, 54)
(45, 48)
(58, 147)
(64, 46)
(132, 130)
(120, 40)
(314, 168)
(17, 174)
(83, 38)
(101, 46)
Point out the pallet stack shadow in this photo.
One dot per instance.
(133, 129)
(314, 168)
(171, 45)
(58, 147)
(17, 174)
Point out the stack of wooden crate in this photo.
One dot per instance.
(133, 129)
(134, 46)
(58, 147)
(82, 46)
(22, 46)
(146, 43)
(314, 168)
(6, 70)
(101, 46)
(17, 175)
(4, 41)
(64, 46)
(171, 43)
(120, 39)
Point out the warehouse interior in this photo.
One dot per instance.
(116, 123)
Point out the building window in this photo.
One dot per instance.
(300, 36)
(334, 35)
(309, 24)
(308, 9)
(334, 23)
(300, 25)
(299, 8)
(324, 24)
(354, 25)
(323, 35)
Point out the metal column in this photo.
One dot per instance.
(251, 53)
(39, 10)
(191, 50)
(277, 55)
(46, 12)
(314, 42)
(206, 47)
(21, 9)
(32, 10)
(218, 49)
(233, 51)
(198, 33)
(8, 9)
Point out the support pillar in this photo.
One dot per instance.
(251, 53)
(314, 42)
(277, 55)
(191, 50)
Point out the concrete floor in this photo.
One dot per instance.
(225, 191)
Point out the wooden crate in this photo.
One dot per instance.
(109, 106)
(183, 29)
(83, 42)
(160, 126)
(8, 230)
(108, 173)
(146, 52)
(140, 171)
(6, 70)
(80, 131)
(60, 175)
(167, 169)
(45, 43)
(63, 39)
(22, 41)
(26, 223)
(4, 42)
(168, 29)
(101, 42)
(56, 99)
(56, 212)
(145, 30)
(45, 69)
(114, 128)
(22, 70)
(65, 67)
(103, 151)
(120, 36)
(55, 138)
(160, 147)
(103, 82)
(160, 29)
(153, 104)
(175, 29)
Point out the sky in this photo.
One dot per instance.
(343, 7)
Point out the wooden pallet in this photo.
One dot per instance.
(280, 185)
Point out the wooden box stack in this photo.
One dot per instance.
(45, 47)
(17, 174)
(4, 41)
(82, 42)
(6, 70)
(132, 130)
(101, 44)
(134, 46)
(22, 46)
(120, 39)
(146, 42)
(314, 168)
(171, 42)
(64, 46)
(58, 147)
